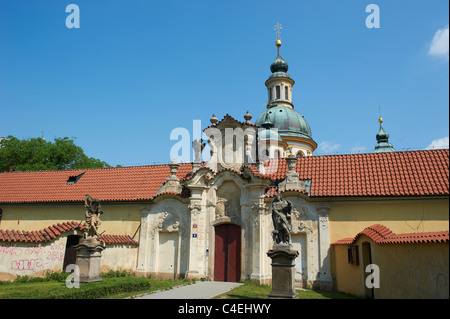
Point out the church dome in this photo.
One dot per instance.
(279, 65)
(288, 121)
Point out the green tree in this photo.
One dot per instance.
(36, 154)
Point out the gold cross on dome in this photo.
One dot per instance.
(278, 28)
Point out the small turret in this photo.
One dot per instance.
(383, 144)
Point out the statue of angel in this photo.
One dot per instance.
(92, 214)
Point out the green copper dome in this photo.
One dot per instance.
(383, 144)
(279, 67)
(287, 121)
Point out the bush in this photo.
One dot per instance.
(59, 276)
(102, 289)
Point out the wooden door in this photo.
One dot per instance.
(227, 253)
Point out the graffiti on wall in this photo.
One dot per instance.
(32, 258)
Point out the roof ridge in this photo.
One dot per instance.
(381, 234)
(47, 234)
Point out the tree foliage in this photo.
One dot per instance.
(37, 154)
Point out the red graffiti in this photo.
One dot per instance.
(34, 265)
(9, 249)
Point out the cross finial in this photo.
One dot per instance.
(278, 28)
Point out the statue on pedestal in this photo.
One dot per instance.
(89, 250)
(282, 254)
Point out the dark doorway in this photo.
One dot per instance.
(367, 260)
(70, 256)
(227, 254)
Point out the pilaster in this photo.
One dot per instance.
(325, 279)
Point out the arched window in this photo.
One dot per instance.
(278, 92)
(299, 154)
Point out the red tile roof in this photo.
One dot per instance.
(107, 184)
(382, 235)
(52, 232)
(410, 173)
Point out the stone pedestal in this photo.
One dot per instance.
(89, 253)
(283, 272)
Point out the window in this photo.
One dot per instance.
(74, 179)
(278, 93)
(299, 154)
(270, 94)
(353, 255)
(286, 96)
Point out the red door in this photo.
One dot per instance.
(227, 254)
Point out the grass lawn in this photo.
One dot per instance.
(251, 290)
(115, 285)
(109, 287)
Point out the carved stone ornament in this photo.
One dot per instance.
(226, 207)
(195, 209)
(302, 226)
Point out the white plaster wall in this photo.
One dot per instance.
(32, 259)
(119, 257)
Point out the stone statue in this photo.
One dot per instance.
(92, 214)
(281, 217)
(198, 146)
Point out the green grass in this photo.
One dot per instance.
(120, 284)
(250, 290)
(113, 285)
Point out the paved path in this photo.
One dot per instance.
(199, 290)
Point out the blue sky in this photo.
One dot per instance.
(136, 70)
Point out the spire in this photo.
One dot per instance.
(279, 65)
(383, 144)
(278, 42)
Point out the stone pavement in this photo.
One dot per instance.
(199, 290)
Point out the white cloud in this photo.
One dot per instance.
(439, 143)
(439, 45)
(328, 147)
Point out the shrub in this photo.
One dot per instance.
(56, 275)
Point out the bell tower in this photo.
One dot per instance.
(279, 84)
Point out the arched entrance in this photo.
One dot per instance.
(227, 253)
